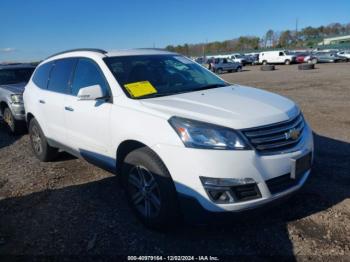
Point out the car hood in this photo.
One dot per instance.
(14, 88)
(232, 106)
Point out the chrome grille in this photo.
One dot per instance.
(276, 137)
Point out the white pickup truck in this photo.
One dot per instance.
(276, 57)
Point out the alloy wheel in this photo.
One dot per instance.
(9, 120)
(144, 191)
(36, 140)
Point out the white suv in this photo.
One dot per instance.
(181, 138)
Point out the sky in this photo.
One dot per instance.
(34, 29)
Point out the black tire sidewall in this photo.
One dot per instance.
(48, 153)
(169, 210)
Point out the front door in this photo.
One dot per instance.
(88, 121)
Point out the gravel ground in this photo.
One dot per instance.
(69, 207)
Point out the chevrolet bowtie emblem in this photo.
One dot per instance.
(292, 134)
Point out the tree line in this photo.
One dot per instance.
(306, 37)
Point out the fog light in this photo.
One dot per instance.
(220, 196)
(225, 182)
(220, 191)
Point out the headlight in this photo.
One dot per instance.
(196, 134)
(17, 99)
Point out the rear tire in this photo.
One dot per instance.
(264, 62)
(14, 126)
(150, 189)
(219, 71)
(42, 150)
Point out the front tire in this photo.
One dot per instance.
(239, 69)
(313, 61)
(14, 126)
(150, 189)
(287, 62)
(42, 150)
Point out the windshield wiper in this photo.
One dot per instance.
(210, 86)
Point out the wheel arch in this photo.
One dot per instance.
(29, 116)
(3, 105)
(124, 149)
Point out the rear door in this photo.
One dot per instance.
(54, 97)
(88, 121)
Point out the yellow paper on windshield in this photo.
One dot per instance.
(139, 89)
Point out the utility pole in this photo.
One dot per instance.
(296, 29)
(204, 46)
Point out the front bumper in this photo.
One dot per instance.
(187, 165)
(18, 111)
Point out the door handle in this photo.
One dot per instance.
(41, 101)
(68, 108)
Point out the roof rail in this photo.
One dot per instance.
(80, 49)
(151, 48)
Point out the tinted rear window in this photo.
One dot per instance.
(61, 74)
(41, 75)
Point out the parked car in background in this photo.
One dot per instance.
(328, 57)
(251, 59)
(345, 54)
(276, 57)
(305, 58)
(200, 60)
(299, 57)
(221, 65)
(13, 78)
(238, 58)
(183, 141)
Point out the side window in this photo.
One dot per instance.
(87, 73)
(61, 74)
(41, 75)
(281, 54)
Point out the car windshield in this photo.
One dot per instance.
(160, 75)
(15, 75)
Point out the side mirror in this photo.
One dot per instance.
(90, 93)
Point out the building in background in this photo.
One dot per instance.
(335, 40)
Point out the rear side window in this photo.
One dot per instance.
(87, 73)
(61, 74)
(41, 75)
